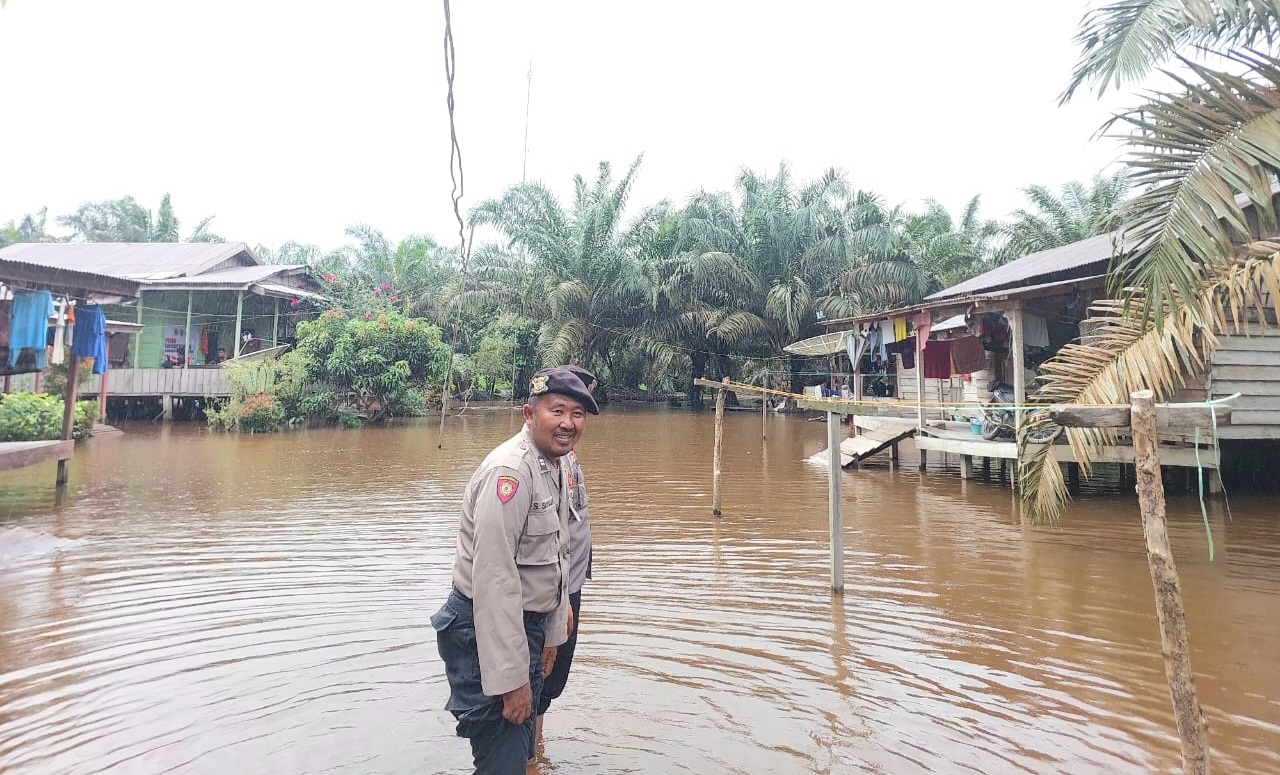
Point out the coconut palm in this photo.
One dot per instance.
(1203, 154)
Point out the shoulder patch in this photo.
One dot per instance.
(507, 487)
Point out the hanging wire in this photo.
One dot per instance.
(458, 180)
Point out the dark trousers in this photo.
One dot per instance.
(553, 687)
(498, 747)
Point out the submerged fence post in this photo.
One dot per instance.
(715, 455)
(69, 413)
(1193, 733)
(833, 494)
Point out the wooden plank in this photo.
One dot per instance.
(1222, 388)
(1178, 457)
(835, 518)
(872, 442)
(1256, 357)
(979, 448)
(20, 454)
(1254, 417)
(1246, 373)
(1117, 416)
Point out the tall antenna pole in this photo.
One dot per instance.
(528, 94)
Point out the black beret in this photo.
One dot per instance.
(572, 381)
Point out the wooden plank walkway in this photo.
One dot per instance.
(875, 441)
(20, 454)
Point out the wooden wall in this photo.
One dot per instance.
(1250, 366)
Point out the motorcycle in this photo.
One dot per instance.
(1000, 418)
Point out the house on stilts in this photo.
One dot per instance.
(201, 305)
(929, 369)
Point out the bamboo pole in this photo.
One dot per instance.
(1193, 733)
(833, 497)
(68, 413)
(715, 455)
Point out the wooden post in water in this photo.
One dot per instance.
(1193, 731)
(68, 413)
(715, 455)
(764, 409)
(833, 495)
(1143, 417)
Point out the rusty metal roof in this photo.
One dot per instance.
(233, 278)
(1079, 259)
(136, 260)
(68, 281)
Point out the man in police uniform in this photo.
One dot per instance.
(509, 608)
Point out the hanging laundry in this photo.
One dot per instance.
(994, 332)
(899, 329)
(59, 355)
(967, 355)
(1035, 331)
(90, 339)
(937, 361)
(29, 325)
(887, 332)
(922, 323)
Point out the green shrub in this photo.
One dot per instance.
(86, 418)
(38, 417)
(260, 414)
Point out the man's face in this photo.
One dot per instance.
(555, 422)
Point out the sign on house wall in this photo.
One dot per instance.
(175, 337)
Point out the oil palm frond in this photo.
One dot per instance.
(1125, 350)
(1204, 155)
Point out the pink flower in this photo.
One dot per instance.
(368, 315)
(330, 277)
(295, 302)
(386, 286)
(395, 297)
(377, 294)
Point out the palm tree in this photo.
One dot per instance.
(947, 252)
(29, 229)
(578, 269)
(124, 220)
(1202, 154)
(1077, 212)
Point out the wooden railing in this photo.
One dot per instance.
(144, 382)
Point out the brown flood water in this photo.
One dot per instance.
(211, 604)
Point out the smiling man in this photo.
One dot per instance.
(509, 609)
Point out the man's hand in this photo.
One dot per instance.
(572, 622)
(517, 704)
(548, 660)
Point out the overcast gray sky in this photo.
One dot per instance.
(292, 119)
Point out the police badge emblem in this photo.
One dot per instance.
(507, 486)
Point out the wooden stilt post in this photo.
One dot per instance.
(924, 453)
(235, 347)
(764, 409)
(102, 397)
(188, 358)
(833, 495)
(1193, 731)
(69, 413)
(715, 455)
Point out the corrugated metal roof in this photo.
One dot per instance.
(64, 280)
(131, 259)
(234, 277)
(1084, 258)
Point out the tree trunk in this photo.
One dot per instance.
(797, 381)
(1193, 730)
(699, 362)
(724, 370)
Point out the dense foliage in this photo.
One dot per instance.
(648, 297)
(38, 417)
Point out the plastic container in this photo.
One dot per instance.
(975, 426)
